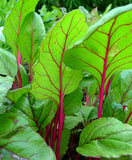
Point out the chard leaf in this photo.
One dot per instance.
(113, 109)
(24, 75)
(38, 115)
(52, 78)
(30, 37)
(106, 137)
(72, 121)
(8, 64)
(15, 94)
(129, 113)
(121, 158)
(121, 87)
(2, 37)
(5, 85)
(21, 140)
(44, 111)
(64, 141)
(73, 102)
(15, 19)
(107, 46)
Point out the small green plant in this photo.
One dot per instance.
(64, 91)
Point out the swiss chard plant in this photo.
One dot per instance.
(65, 83)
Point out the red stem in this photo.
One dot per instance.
(61, 122)
(87, 99)
(128, 117)
(96, 100)
(89, 158)
(126, 92)
(87, 103)
(77, 156)
(61, 116)
(47, 133)
(108, 86)
(31, 65)
(31, 70)
(101, 94)
(14, 85)
(19, 61)
(54, 130)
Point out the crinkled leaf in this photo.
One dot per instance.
(15, 94)
(106, 137)
(106, 47)
(15, 19)
(30, 37)
(113, 109)
(22, 141)
(5, 85)
(8, 64)
(48, 17)
(52, 78)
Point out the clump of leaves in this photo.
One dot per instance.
(42, 113)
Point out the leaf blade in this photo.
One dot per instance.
(106, 137)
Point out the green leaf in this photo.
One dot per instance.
(106, 137)
(22, 141)
(5, 85)
(64, 141)
(73, 102)
(44, 111)
(15, 94)
(10, 123)
(3, 4)
(121, 158)
(2, 37)
(52, 78)
(49, 18)
(85, 112)
(107, 46)
(71, 122)
(8, 64)
(9, 6)
(6, 155)
(30, 37)
(121, 87)
(38, 115)
(15, 19)
(129, 113)
(24, 76)
(113, 109)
